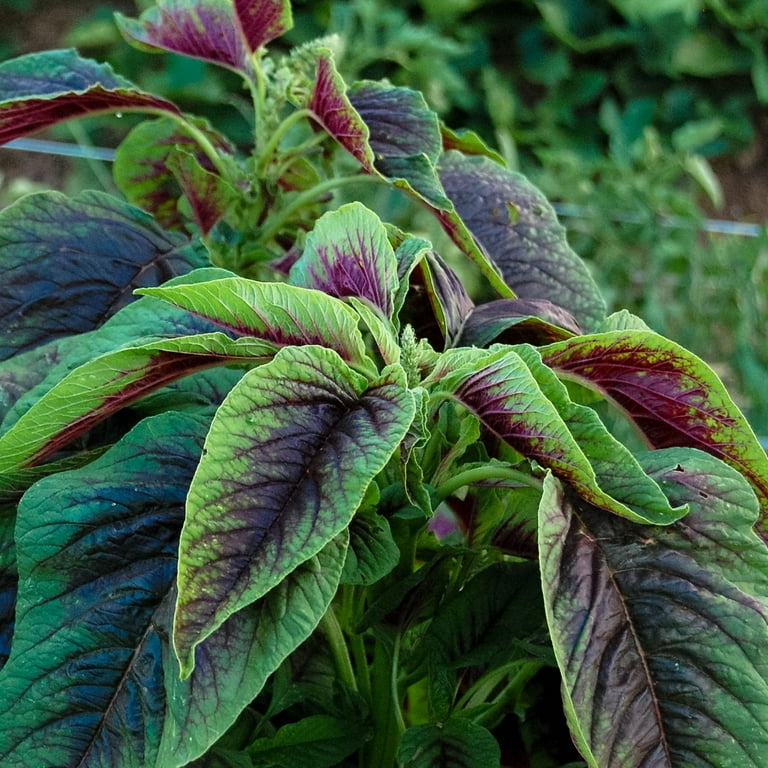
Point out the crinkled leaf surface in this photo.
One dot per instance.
(500, 388)
(96, 552)
(660, 633)
(372, 552)
(348, 254)
(145, 175)
(456, 743)
(40, 89)
(287, 461)
(518, 229)
(673, 397)
(281, 314)
(107, 384)
(92, 681)
(70, 263)
(224, 32)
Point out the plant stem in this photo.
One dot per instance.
(385, 707)
(338, 646)
(274, 142)
(487, 472)
(276, 223)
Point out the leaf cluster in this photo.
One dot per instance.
(276, 490)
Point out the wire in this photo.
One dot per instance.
(718, 226)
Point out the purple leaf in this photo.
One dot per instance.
(333, 110)
(450, 301)
(41, 89)
(202, 29)
(671, 395)
(519, 231)
(263, 20)
(348, 254)
(514, 321)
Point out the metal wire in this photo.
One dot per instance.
(718, 226)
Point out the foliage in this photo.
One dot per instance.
(236, 416)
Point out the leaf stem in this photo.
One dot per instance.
(492, 472)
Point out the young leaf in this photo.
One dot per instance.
(143, 172)
(287, 462)
(222, 32)
(348, 254)
(456, 743)
(518, 229)
(673, 397)
(372, 552)
(500, 389)
(283, 315)
(107, 384)
(660, 632)
(209, 195)
(41, 89)
(70, 263)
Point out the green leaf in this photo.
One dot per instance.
(372, 552)
(456, 743)
(660, 633)
(321, 741)
(103, 386)
(71, 263)
(287, 461)
(348, 254)
(232, 665)
(41, 89)
(283, 315)
(673, 397)
(519, 231)
(537, 419)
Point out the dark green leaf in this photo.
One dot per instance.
(321, 741)
(70, 263)
(660, 633)
(287, 461)
(8, 580)
(372, 552)
(456, 743)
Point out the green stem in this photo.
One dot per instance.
(385, 708)
(490, 716)
(338, 646)
(271, 146)
(487, 472)
(276, 223)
